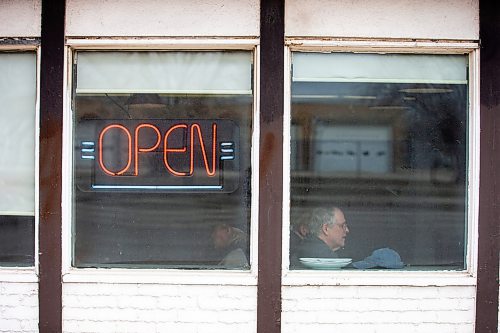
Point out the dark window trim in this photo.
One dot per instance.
(489, 191)
(51, 125)
(272, 32)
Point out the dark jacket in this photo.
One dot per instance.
(313, 247)
(295, 243)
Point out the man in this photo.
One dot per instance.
(232, 242)
(299, 230)
(328, 230)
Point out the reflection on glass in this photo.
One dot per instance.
(17, 158)
(162, 179)
(384, 138)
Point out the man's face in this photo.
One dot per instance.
(220, 237)
(335, 234)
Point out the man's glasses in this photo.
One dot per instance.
(343, 226)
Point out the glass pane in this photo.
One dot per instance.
(164, 72)
(17, 158)
(163, 179)
(378, 161)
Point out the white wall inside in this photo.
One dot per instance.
(157, 18)
(20, 18)
(424, 19)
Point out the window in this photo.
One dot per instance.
(378, 161)
(162, 144)
(17, 158)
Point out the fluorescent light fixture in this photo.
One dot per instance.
(315, 96)
(426, 90)
(359, 97)
(389, 107)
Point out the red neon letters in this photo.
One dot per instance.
(101, 160)
(135, 149)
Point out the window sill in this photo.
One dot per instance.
(157, 276)
(378, 278)
(18, 274)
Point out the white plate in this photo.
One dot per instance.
(327, 260)
(325, 263)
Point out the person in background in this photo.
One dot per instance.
(299, 229)
(328, 231)
(232, 242)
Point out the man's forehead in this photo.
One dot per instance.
(339, 215)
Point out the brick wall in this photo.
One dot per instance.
(378, 309)
(18, 307)
(99, 307)
(104, 307)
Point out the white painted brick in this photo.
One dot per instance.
(10, 300)
(312, 292)
(435, 327)
(10, 325)
(235, 316)
(84, 326)
(237, 292)
(14, 288)
(415, 328)
(329, 328)
(19, 313)
(158, 308)
(226, 328)
(29, 325)
(178, 327)
(135, 302)
(202, 291)
(183, 302)
(335, 317)
(455, 317)
(72, 301)
(169, 303)
(135, 327)
(18, 307)
(394, 328)
(466, 328)
(414, 317)
(159, 290)
(30, 302)
(198, 316)
(318, 304)
(90, 326)
(99, 314)
(467, 304)
(100, 289)
(380, 309)
(443, 304)
(205, 303)
(299, 317)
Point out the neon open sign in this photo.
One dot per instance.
(159, 155)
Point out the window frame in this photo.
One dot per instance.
(28, 273)
(379, 277)
(158, 275)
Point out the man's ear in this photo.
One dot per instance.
(324, 228)
(303, 230)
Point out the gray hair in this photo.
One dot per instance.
(299, 218)
(321, 216)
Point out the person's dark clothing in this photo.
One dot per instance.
(313, 247)
(295, 243)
